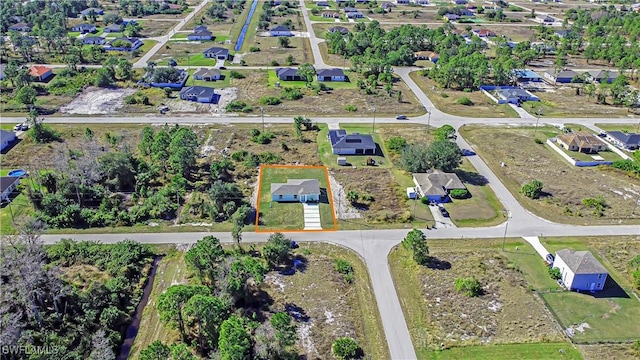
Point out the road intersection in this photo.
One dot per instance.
(372, 245)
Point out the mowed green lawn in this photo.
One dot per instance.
(351, 84)
(290, 216)
(536, 351)
(330, 159)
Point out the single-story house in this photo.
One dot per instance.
(514, 95)
(403, 2)
(467, 12)
(563, 33)
(200, 28)
(175, 6)
(288, 74)
(216, 53)
(207, 74)
(84, 28)
(626, 141)
(330, 14)
(436, 185)
(349, 9)
(200, 35)
(459, 2)
(123, 44)
(330, 75)
(113, 28)
(40, 73)
(341, 29)
(296, 190)
(2, 66)
(421, 55)
(93, 40)
(322, 3)
(581, 141)
(351, 144)
(6, 138)
(7, 185)
(451, 17)
(126, 22)
(201, 94)
(601, 76)
(525, 75)
(87, 12)
(421, 2)
(484, 33)
(354, 15)
(280, 30)
(23, 27)
(563, 77)
(580, 270)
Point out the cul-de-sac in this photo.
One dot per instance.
(308, 179)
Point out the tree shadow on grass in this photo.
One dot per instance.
(438, 264)
(472, 178)
(296, 312)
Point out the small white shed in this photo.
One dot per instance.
(342, 161)
(411, 193)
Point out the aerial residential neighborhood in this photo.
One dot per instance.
(342, 179)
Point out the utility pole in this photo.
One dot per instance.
(428, 119)
(504, 237)
(374, 120)
(262, 114)
(538, 118)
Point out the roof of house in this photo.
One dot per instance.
(581, 262)
(563, 74)
(88, 11)
(322, 3)
(349, 9)
(513, 93)
(198, 91)
(7, 181)
(603, 74)
(200, 33)
(330, 72)
(7, 135)
(19, 26)
(525, 73)
(93, 39)
(115, 27)
(174, 6)
(452, 16)
(484, 32)
(296, 187)
(340, 139)
(216, 50)
(581, 139)
(340, 29)
(207, 72)
(284, 72)
(129, 40)
(437, 183)
(279, 28)
(85, 26)
(627, 139)
(39, 70)
(199, 28)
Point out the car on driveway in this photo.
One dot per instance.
(467, 152)
(444, 211)
(401, 117)
(21, 127)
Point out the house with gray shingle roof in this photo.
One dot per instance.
(351, 144)
(331, 75)
(580, 270)
(436, 185)
(207, 74)
(296, 190)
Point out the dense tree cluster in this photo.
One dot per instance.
(443, 155)
(43, 304)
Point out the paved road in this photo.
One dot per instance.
(313, 40)
(162, 40)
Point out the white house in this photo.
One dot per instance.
(6, 138)
(331, 75)
(7, 185)
(580, 270)
(280, 30)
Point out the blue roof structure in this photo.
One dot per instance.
(526, 74)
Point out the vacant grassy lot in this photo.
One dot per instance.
(153, 28)
(515, 31)
(565, 186)
(436, 313)
(446, 100)
(290, 216)
(187, 53)
(331, 103)
(413, 15)
(563, 102)
(270, 50)
(332, 59)
(632, 128)
(510, 351)
(171, 270)
(608, 352)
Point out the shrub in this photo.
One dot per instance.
(264, 138)
(465, 101)
(469, 286)
(254, 132)
(532, 189)
(459, 193)
(284, 146)
(289, 93)
(238, 105)
(274, 63)
(424, 200)
(239, 155)
(538, 141)
(236, 75)
(396, 143)
(351, 108)
(554, 272)
(344, 268)
(597, 204)
(345, 348)
(269, 158)
(270, 100)
(444, 95)
(254, 49)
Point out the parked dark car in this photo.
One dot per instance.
(467, 152)
(401, 117)
(444, 212)
(550, 258)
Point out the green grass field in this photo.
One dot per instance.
(290, 216)
(330, 159)
(273, 79)
(535, 351)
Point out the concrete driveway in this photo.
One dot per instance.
(441, 221)
(312, 217)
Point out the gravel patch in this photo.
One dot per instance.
(343, 208)
(94, 101)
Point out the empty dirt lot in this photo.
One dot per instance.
(565, 185)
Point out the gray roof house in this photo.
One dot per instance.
(564, 76)
(627, 141)
(288, 74)
(24, 27)
(113, 28)
(6, 138)
(351, 144)
(216, 53)
(330, 75)
(7, 185)
(93, 40)
(88, 11)
(436, 185)
(280, 30)
(296, 190)
(84, 28)
(207, 74)
(341, 29)
(580, 270)
(201, 94)
(200, 28)
(601, 75)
